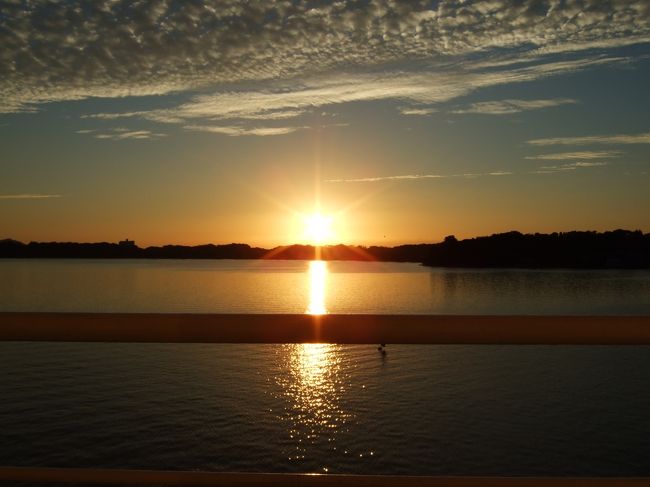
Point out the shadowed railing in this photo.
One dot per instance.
(342, 329)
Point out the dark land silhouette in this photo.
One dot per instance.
(577, 250)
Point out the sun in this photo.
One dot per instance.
(318, 229)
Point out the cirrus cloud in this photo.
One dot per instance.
(620, 139)
(275, 101)
(572, 166)
(507, 107)
(235, 131)
(410, 177)
(582, 155)
(28, 196)
(121, 133)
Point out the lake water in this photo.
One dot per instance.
(440, 410)
(258, 286)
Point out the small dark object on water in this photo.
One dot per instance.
(382, 348)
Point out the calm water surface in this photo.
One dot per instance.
(506, 410)
(257, 286)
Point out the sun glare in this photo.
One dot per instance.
(318, 229)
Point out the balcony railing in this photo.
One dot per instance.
(343, 329)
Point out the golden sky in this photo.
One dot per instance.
(403, 123)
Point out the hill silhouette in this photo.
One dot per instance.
(577, 249)
(581, 250)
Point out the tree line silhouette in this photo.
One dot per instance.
(576, 249)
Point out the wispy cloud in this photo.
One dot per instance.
(572, 166)
(387, 178)
(135, 134)
(569, 167)
(584, 155)
(112, 116)
(121, 133)
(417, 111)
(28, 196)
(505, 107)
(594, 139)
(239, 131)
(410, 177)
(120, 48)
(418, 88)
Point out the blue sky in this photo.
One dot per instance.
(194, 122)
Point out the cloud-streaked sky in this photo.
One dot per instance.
(219, 121)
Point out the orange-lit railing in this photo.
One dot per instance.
(329, 328)
(344, 329)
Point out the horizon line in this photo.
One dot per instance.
(273, 247)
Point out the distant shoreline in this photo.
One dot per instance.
(618, 249)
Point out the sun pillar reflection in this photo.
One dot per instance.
(313, 381)
(314, 388)
(317, 287)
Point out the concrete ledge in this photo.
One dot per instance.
(303, 328)
(218, 479)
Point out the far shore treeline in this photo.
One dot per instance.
(577, 249)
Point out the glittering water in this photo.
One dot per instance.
(492, 410)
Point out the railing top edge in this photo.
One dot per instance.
(333, 328)
(195, 478)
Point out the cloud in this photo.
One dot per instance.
(117, 48)
(113, 116)
(569, 167)
(417, 111)
(276, 101)
(594, 139)
(122, 133)
(135, 134)
(409, 177)
(580, 159)
(505, 107)
(239, 131)
(28, 196)
(584, 155)
(387, 178)
(589, 164)
(176, 115)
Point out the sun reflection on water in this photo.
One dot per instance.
(313, 386)
(313, 382)
(317, 287)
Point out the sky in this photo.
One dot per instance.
(402, 121)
